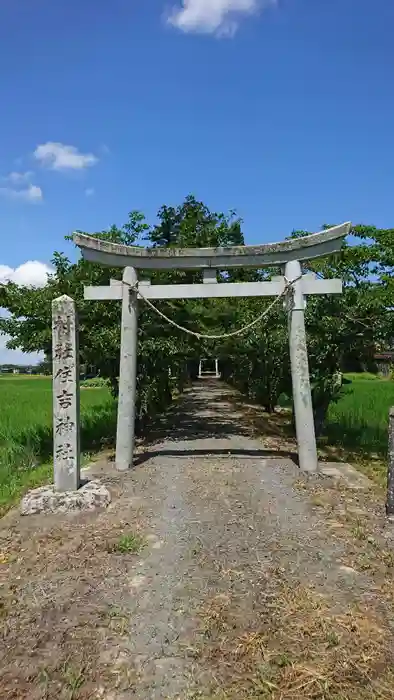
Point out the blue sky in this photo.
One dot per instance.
(283, 110)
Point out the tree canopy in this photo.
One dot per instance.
(343, 331)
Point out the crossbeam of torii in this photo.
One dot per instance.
(287, 255)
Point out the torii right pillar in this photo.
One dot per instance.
(302, 396)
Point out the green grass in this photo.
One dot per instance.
(128, 544)
(362, 377)
(359, 419)
(26, 431)
(357, 423)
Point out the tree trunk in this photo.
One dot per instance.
(319, 415)
(114, 383)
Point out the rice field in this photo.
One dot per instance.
(359, 419)
(357, 423)
(26, 430)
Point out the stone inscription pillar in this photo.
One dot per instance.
(66, 428)
(390, 468)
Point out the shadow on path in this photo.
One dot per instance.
(215, 452)
(203, 422)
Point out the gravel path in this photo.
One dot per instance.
(227, 527)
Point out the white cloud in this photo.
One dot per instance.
(32, 273)
(89, 192)
(31, 193)
(6, 273)
(17, 178)
(214, 16)
(18, 185)
(57, 156)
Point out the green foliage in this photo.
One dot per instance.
(44, 367)
(94, 383)
(344, 331)
(361, 377)
(160, 347)
(258, 363)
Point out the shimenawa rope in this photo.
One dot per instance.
(288, 285)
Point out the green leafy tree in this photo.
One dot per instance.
(162, 349)
(341, 329)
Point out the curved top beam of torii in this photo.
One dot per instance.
(119, 255)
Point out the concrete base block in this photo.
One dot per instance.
(353, 478)
(45, 499)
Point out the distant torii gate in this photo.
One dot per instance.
(288, 255)
(208, 373)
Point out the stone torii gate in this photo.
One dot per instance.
(287, 255)
(208, 373)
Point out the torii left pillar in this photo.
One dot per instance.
(302, 396)
(124, 292)
(125, 432)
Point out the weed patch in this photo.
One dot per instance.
(127, 544)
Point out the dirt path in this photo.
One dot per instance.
(239, 578)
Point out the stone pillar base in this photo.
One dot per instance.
(45, 499)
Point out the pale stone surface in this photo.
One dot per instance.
(45, 499)
(66, 429)
(302, 398)
(125, 433)
(124, 290)
(345, 472)
(305, 248)
(390, 468)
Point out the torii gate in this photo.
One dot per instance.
(288, 255)
(215, 373)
